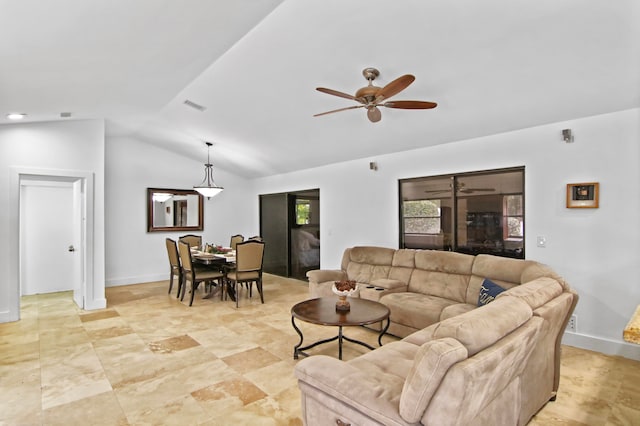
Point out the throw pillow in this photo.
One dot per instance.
(488, 291)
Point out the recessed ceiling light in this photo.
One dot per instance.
(16, 115)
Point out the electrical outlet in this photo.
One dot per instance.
(573, 324)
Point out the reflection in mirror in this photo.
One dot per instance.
(174, 210)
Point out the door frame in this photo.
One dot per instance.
(86, 180)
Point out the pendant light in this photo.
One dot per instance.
(208, 187)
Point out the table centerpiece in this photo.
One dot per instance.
(343, 289)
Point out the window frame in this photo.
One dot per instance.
(456, 236)
(439, 217)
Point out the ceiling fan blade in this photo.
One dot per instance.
(338, 110)
(336, 93)
(374, 114)
(410, 104)
(396, 86)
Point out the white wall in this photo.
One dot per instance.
(65, 145)
(134, 255)
(596, 250)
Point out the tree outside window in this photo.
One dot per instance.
(422, 216)
(303, 212)
(514, 217)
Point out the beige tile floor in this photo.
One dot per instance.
(149, 359)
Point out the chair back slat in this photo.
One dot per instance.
(249, 255)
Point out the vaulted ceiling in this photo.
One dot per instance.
(492, 66)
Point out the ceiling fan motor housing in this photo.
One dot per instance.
(368, 93)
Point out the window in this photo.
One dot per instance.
(478, 212)
(303, 211)
(513, 217)
(422, 216)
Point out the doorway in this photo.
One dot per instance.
(290, 225)
(82, 183)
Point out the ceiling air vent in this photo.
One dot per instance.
(194, 105)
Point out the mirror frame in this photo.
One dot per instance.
(151, 228)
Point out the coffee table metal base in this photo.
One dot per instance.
(299, 349)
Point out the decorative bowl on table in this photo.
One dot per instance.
(343, 289)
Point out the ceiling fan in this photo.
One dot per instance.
(461, 188)
(371, 97)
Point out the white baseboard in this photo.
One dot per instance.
(605, 346)
(95, 304)
(9, 316)
(114, 282)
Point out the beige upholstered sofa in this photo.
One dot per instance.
(458, 363)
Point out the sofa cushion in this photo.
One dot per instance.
(402, 265)
(366, 264)
(333, 383)
(488, 292)
(372, 255)
(537, 292)
(503, 271)
(444, 261)
(414, 309)
(393, 359)
(455, 310)
(500, 268)
(481, 327)
(441, 273)
(431, 363)
(363, 273)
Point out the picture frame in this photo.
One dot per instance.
(583, 195)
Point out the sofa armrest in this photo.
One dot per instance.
(324, 275)
(355, 388)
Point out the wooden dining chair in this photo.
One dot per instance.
(249, 259)
(192, 239)
(195, 276)
(235, 239)
(256, 237)
(174, 263)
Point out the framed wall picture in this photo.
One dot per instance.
(583, 195)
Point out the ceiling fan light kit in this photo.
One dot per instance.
(371, 97)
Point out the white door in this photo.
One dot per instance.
(48, 264)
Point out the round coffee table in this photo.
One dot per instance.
(323, 311)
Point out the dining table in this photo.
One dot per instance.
(222, 262)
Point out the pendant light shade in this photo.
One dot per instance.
(208, 187)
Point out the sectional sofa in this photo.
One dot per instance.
(502, 359)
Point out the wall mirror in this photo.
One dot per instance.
(174, 210)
